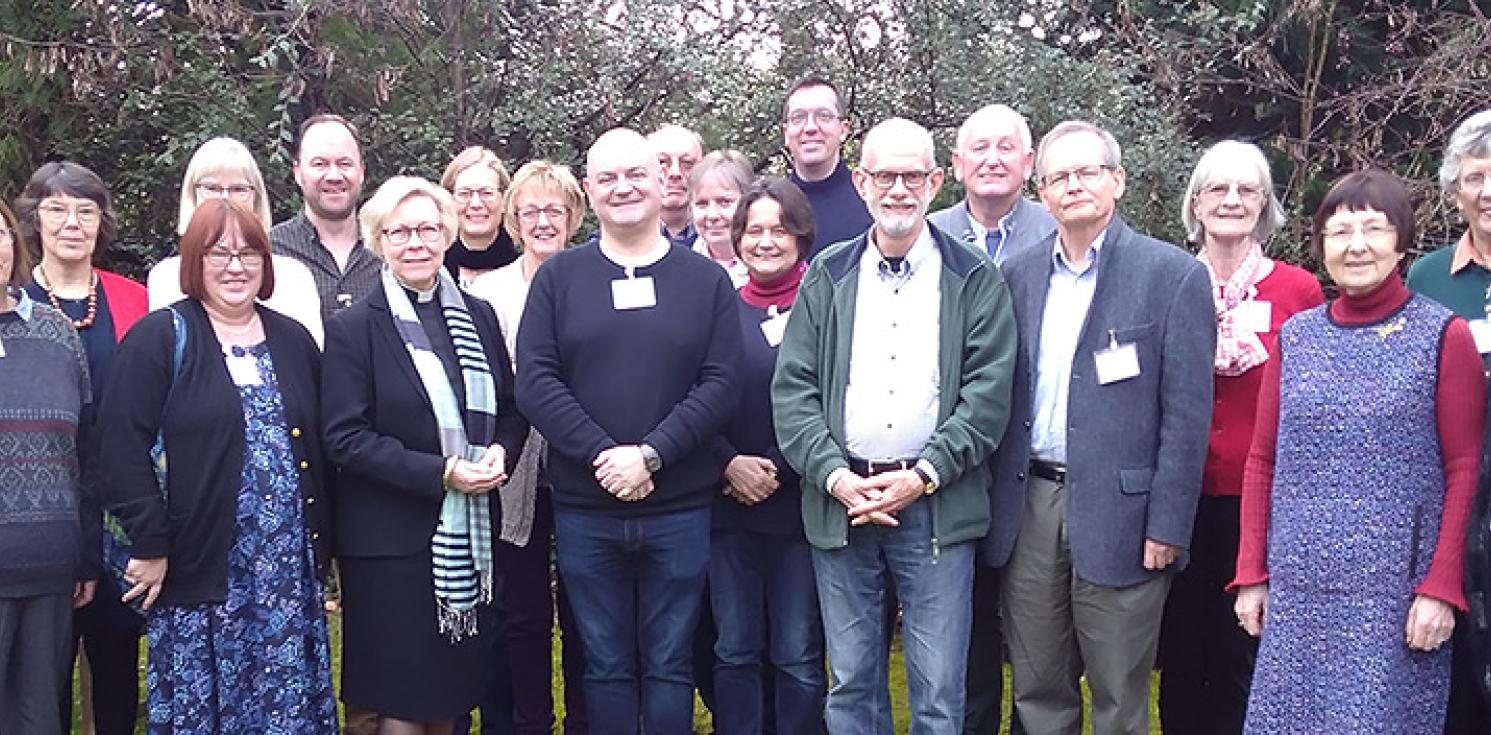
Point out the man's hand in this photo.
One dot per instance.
(889, 492)
(622, 471)
(82, 593)
(1158, 555)
(1251, 606)
(853, 492)
(749, 479)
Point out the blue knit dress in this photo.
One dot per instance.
(1358, 492)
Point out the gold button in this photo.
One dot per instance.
(295, 432)
(316, 536)
(310, 501)
(305, 465)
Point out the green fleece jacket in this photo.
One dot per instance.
(976, 360)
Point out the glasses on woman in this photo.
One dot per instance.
(1369, 230)
(236, 192)
(427, 234)
(488, 194)
(56, 213)
(553, 212)
(221, 257)
(1220, 189)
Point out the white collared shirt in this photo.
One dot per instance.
(891, 401)
(1068, 298)
(736, 267)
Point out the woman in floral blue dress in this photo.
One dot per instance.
(225, 563)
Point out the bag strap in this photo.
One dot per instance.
(178, 324)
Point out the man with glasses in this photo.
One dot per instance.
(328, 168)
(1098, 474)
(814, 127)
(892, 386)
(993, 158)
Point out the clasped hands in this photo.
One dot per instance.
(877, 499)
(482, 476)
(622, 471)
(749, 479)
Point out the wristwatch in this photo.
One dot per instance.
(930, 486)
(651, 458)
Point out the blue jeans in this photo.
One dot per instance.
(766, 609)
(636, 586)
(935, 586)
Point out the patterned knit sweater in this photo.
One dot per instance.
(44, 400)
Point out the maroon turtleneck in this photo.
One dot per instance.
(1459, 397)
(779, 293)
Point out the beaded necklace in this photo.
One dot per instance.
(88, 318)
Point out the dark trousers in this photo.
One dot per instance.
(1206, 660)
(34, 640)
(985, 677)
(110, 633)
(636, 585)
(1468, 713)
(519, 700)
(766, 609)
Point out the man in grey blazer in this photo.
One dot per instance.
(1097, 477)
(993, 158)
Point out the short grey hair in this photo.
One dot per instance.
(1112, 154)
(1473, 139)
(896, 127)
(727, 165)
(396, 191)
(1023, 126)
(1237, 161)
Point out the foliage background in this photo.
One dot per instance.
(131, 87)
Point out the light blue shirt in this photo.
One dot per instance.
(1068, 298)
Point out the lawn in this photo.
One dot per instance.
(701, 715)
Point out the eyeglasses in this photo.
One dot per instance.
(553, 212)
(800, 118)
(486, 194)
(1472, 182)
(1088, 175)
(1245, 192)
(55, 213)
(887, 179)
(220, 258)
(1370, 231)
(427, 233)
(6, 235)
(238, 192)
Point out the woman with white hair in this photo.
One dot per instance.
(1229, 211)
(417, 399)
(1459, 277)
(223, 168)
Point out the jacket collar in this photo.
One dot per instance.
(957, 257)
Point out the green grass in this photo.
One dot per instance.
(702, 723)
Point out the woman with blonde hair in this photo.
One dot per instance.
(478, 181)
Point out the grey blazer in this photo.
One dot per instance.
(1029, 224)
(1135, 447)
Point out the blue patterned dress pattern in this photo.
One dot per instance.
(259, 661)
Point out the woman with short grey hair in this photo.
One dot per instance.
(1229, 211)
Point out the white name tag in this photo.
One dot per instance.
(1480, 329)
(775, 326)
(1253, 316)
(633, 293)
(244, 370)
(1117, 362)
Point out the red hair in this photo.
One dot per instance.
(213, 219)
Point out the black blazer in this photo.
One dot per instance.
(204, 433)
(382, 435)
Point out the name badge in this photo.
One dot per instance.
(1480, 329)
(1253, 316)
(775, 326)
(244, 370)
(632, 292)
(1117, 362)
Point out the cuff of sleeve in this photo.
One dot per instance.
(927, 467)
(1452, 595)
(833, 478)
(1247, 580)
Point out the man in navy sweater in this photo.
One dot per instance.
(626, 360)
(814, 126)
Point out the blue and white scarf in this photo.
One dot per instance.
(462, 545)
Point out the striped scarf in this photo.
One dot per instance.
(462, 545)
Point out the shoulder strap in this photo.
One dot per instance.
(178, 324)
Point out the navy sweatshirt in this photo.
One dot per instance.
(591, 376)
(838, 211)
(751, 432)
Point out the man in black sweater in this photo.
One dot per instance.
(626, 359)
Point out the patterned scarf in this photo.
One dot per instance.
(462, 545)
(1238, 350)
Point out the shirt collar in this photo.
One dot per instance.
(685, 237)
(23, 303)
(1465, 254)
(918, 253)
(1092, 256)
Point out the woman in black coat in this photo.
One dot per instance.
(417, 397)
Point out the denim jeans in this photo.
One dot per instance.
(766, 608)
(636, 585)
(935, 586)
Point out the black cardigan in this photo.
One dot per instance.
(204, 433)
(381, 432)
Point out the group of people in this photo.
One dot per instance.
(740, 437)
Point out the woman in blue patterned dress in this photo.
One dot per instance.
(1358, 487)
(226, 562)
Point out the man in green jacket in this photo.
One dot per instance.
(891, 390)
